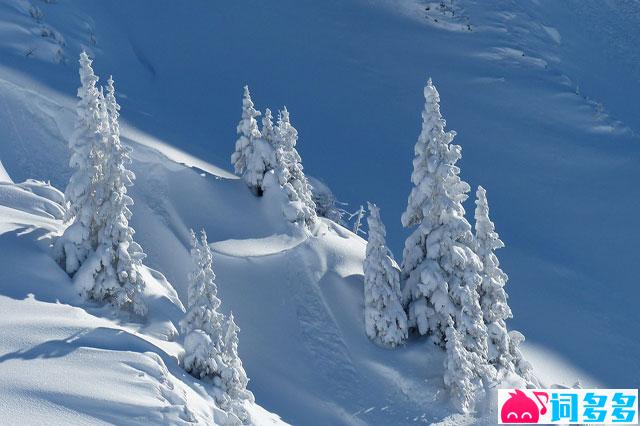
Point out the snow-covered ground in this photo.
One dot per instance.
(545, 114)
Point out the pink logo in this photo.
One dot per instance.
(519, 408)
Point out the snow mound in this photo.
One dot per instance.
(257, 247)
(4, 176)
(31, 204)
(75, 362)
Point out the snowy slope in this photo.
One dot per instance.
(545, 125)
(64, 361)
(4, 176)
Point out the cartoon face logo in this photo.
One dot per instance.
(519, 408)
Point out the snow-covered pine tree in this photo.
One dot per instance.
(522, 367)
(384, 317)
(81, 237)
(234, 378)
(117, 278)
(247, 131)
(460, 372)
(268, 131)
(98, 247)
(493, 298)
(211, 346)
(259, 163)
(253, 156)
(290, 173)
(440, 268)
(203, 323)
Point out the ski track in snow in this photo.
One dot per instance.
(319, 333)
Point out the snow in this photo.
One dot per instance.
(552, 135)
(33, 197)
(4, 176)
(384, 315)
(552, 368)
(256, 247)
(73, 362)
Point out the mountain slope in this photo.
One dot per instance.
(65, 361)
(541, 117)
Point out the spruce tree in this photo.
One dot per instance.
(248, 131)
(522, 367)
(98, 247)
(234, 378)
(493, 298)
(440, 268)
(268, 131)
(118, 276)
(290, 174)
(385, 319)
(461, 375)
(211, 346)
(254, 156)
(202, 323)
(80, 238)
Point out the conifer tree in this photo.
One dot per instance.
(234, 378)
(211, 346)
(98, 247)
(385, 319)
(461, 375)
(81, 237)
(522, 367)
(493, 298)
(254, 156)
(268, 131)
(290, 174)
(118, 276)
(203, 308)
(440, 268)
(247, 132)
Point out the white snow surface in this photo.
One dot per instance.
(545, 137)
(4, 176)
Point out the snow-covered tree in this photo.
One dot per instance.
(290, 173)
(493, 298)
(385, 319)
(357, 223)
(247, 132)
(81, 238)
(259, 163)
(117, 278)
(522, 367)
(254, 156)
(234, 378)
(440, 268)
(203, 323)
(460, 372)
(98, 247)
(268, 131)
(211, 346)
